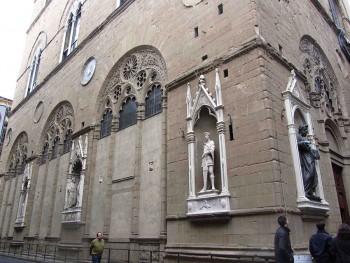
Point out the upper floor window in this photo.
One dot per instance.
(153, 101)
(67, 144)
(121, 2)
(127, 114)
(106, 124)
(71, 30)
(33, 73)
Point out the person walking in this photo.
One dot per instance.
(341, 244)
(320, 245)
(96, 248)
(283, 248)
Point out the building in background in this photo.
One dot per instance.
(180, 126)
(5, 108)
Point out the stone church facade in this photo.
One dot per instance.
(173, 126)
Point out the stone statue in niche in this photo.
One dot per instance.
(23, 196)
(71, 193)
(308, 157)
(208, 162)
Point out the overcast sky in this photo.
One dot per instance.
(15, 18)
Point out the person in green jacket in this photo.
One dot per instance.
(96, 248)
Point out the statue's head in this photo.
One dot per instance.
(303, 129)
(207, 135)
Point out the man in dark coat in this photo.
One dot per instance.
(320, 245)
(283, 248)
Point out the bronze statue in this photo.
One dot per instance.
(308, 157)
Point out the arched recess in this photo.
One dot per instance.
(18, 164)
(297, 112)
(134, 74)
(336, 153)
(71, 17)
(40, 42)
(206, 147)
(33, 63)
(18, 155)
(323, 89)
(59, 124)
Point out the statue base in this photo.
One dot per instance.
(313, 198)
(208, 202)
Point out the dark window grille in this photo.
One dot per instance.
(67, 144)
(122, 2)
(44, 153)
(55, 148)
(106, 124)
(128, 115)
(154, 101)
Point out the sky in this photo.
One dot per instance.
(15, 18)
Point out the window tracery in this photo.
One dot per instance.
(322, 90)
(128, 87)
(18, 154)
(58, 128)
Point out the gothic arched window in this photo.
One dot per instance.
(67, 144)
(33, 74)
(128, 113)
(72, 32)
(106, 124)
(153, 101)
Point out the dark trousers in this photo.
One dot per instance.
(96, 259)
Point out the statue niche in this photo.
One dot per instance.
(308, 156)
(207, 155)
(71, 213)
(72, 188)
(207, 169)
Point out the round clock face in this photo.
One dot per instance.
(88, 71)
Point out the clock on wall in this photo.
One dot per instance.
(88, 71)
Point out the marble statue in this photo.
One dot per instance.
(71, 193)
(208, 162)
(308, 157)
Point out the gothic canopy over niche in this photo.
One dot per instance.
(133, 76)
(323, 87)
(18, 153)
(60, 122)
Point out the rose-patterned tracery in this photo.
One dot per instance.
(59, 125)
(131, 80)
(321, 77)
(18, 154)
